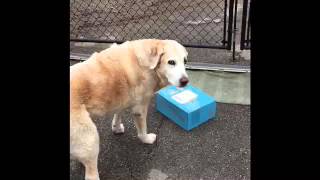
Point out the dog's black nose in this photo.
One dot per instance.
(184, 81)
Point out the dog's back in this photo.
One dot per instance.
(103, 83)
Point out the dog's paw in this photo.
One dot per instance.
(118, 130)
(92, 178)
(148, 138)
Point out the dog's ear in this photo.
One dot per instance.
(149, 53)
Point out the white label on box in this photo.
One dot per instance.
(185, 97)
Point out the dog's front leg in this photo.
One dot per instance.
(117, 126)
(140, 118)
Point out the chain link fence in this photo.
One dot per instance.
(192, 22)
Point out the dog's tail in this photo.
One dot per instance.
(114, 45)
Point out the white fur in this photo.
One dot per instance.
(118, 129)
(117, 126)
(148, 138)
(113, 45)
(176, 72)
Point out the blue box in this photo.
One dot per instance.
(188, 115)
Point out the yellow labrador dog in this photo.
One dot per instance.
(122, 76)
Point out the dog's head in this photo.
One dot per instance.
(166, 57)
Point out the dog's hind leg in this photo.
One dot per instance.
(84, 144)
(117, 125)
(91, 165)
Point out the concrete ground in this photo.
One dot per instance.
(226, 87)
(219, 149)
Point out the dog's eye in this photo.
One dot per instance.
(171, 62)
(185, 60)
